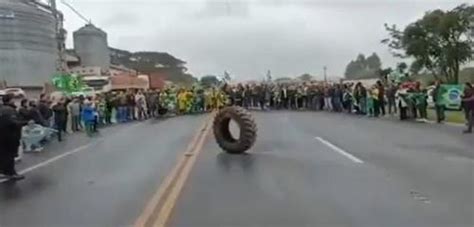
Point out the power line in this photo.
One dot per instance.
(75, 11)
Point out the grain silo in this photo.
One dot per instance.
(90, 44)
(28, 44)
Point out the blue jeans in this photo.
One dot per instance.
(122, 114)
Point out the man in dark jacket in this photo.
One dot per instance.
(60, 117)
(10, 135)
(109, 106)
(468, 105)
(24, 113)
(45, 110)
(34, 113)
(392, 107)
(438, 100)
(131, 106)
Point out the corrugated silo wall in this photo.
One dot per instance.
(28, 47)
(92, 48)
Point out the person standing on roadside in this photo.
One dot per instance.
(421, 102)
(122, 106)
(89, 117)
(131, 106)
(468, 105)
(45, 110)
(24, 112)
(60, 117)
(74, 109)
(35, 114)
(359, 104)
(108, 108)
(392, 106)
(284, 96)
(381, 97)
(438, 101)
(337, 98)
(347, 98)
(375, 100)
(10, 136)
(370, 103)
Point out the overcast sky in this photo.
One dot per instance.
(248, 37)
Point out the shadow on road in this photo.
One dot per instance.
(227, 162)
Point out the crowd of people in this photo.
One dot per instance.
(34, 123)
(408, 100)
(29, 124)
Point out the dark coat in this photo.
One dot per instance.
(44, 110)
(60, 113)
(10, 126)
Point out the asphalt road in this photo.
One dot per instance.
(106, 181)
(306, 169)
(322, 169)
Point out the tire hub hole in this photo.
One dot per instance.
(234, 129)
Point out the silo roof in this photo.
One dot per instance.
(19, 6)
(89, 29)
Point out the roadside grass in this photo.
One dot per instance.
(451, 116)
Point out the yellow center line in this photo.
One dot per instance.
(152, 206)
(171, 200)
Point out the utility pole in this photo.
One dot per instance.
(325, 76)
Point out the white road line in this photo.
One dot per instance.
(51, 160)
(56, 158)
(339, 150)
(63, 155)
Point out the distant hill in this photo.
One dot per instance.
(153, 63)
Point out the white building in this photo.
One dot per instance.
(114, 70)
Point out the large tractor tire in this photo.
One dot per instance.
(224, 138)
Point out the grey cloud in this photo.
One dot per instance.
(121, 19)
(248, 37)
(234, 8)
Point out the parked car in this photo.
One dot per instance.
(16, 92)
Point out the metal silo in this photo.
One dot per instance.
(90, 43)
(28, 45)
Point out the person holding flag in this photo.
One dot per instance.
(437, 95)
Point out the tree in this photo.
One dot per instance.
(209, 81)
(363, 68)
(439, 42)
(350, 70)
(305, 77)
(416, 67)
(385, 72)
(402, 66)
(373, 62)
